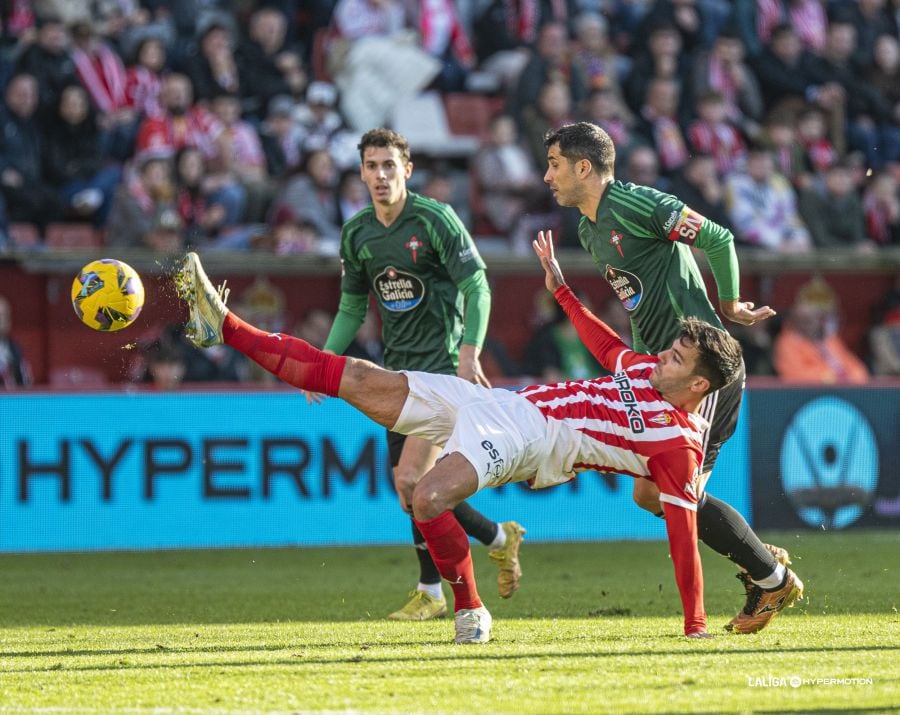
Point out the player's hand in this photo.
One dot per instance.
(745, 313)
(313, 398)
(543, 247)
(470, 366)
(699, 634)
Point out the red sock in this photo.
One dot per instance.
(449, 547)
(291, 359)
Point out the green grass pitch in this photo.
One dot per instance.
(595, 628)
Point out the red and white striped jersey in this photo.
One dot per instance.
(626, 425)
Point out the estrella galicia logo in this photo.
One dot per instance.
(398, 291)
(627, 286)
(829, 463)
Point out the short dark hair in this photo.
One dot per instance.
(384, 138)
(719, 356)
(584, 140)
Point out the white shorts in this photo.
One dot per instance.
(500, 433)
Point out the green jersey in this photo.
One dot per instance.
(641, 241)
(414, 268)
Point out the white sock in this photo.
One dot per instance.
(499, 540)
(774, 580)
(432, 589)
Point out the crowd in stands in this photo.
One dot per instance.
(232, 124)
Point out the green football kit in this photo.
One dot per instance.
(641, 241)
(428, 280)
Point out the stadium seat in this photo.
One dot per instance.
(422, 119)
(24, 235)
(469, 114)
(72, 235)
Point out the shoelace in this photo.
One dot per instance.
(754, 593)
(223, 291)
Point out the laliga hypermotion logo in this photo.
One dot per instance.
(829, 463)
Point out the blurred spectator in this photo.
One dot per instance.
(808, 349)
(314, 327)
(642, 167)
(552, 110)
(248, 160)
(181, 123)
(374, 63)
(551, 61)
(756, 344)
(780, 136)
(203, 215)
(714, 133)
(367, 345)
(881, 208)
(281, 138)
(700, 187)
(143, 213)
(444, 38)
(607, 110)
(603, 68)
(169, 358)
(869, 123)
(806, 17)
(102, 73)
(143, 79)
(269, 65)
(166, 366)
(311, 196)
(321, 126)
(352, 194)
(884, 73)
(292, 235)
(884, 336)
(661, 58)
(554, 353)
(14, 370)
(763, 207)
(49, 60)
(212, 65)
(683, 16)
(509, 186)
(658, 124)
(833, 212)
(356, 19)
(871, 19)
(790, 77)
(22, 183)
(722, 69)
(74, 161)
(819, 153)
(505, 24)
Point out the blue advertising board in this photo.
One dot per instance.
(213, 469)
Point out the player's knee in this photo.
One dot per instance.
(427, 502)
(647, 500)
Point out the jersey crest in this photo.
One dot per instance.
(627, 286)
(414, 244)
(664, 419)
(616, 241)
(398, 291)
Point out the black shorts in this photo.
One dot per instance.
(721, 410)
(395, 442)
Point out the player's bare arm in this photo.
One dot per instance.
(470, 365)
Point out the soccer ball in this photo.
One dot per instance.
(107, 295)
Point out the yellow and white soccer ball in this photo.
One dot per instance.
(107, 295)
